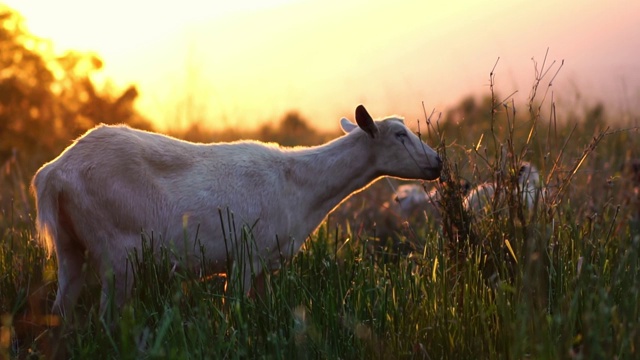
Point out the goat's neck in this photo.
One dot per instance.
(331, 172)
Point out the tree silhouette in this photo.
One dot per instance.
(292, 130)
(47, 100)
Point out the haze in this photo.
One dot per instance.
(243, 63)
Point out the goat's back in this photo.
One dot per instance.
(118, 180)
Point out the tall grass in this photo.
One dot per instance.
(559, 281)
(337, 299)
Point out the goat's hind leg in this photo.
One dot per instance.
(71, 274)
(117, 282)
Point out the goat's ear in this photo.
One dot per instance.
(347, 126)
(365, 122)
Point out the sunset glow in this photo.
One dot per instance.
(247, 62)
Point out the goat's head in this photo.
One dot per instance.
(410, 195)
(395, 150)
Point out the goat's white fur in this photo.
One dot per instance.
(412, 200)
(115, 183)
(528, 186)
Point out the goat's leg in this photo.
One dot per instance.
(71, 275)
(117, 282)
(254, 280)
(259, 287)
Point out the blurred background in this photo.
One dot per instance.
(247, 62)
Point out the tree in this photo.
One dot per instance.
(47, 100)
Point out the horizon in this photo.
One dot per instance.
(251, 62)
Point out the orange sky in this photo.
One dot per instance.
(247, 61)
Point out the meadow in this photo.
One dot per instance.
(559, 281)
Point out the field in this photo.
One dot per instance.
(561, 280)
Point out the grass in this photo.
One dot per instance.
(559, 281)
(337, 299)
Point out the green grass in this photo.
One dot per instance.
(339, 299)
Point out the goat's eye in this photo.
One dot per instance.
(522, 170)
(402, 133)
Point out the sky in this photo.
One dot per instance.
(246, 62)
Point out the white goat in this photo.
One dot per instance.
(528, 185)
(116, 183)
(414, 202)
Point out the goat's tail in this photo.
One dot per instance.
(46, 193)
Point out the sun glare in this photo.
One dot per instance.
(253, 60)
(99, 26)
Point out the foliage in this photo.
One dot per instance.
(47, 100)
(290, 130)
(337, 299)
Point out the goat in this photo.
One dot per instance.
(115, 183)
(413, 199)
(528, 186)
(414, 202)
